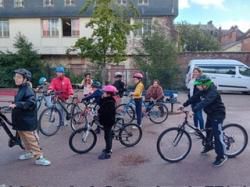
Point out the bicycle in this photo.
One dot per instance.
(51, 118)
(174, 144)
(83, 140)
(156, 111)
(4, 122)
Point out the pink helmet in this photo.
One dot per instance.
(110, 88)
(138, 75)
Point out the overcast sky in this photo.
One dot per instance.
(224, 13)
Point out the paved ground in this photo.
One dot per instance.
(136, 166)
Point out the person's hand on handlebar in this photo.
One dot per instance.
(12, 106)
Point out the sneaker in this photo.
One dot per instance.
(219, 161)
(104, 155)
(26, 156)
(42, 161)
(206, 149)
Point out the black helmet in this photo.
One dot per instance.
(25, 73)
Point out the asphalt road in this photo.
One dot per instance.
(136, 166)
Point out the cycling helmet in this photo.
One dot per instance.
(110, 88)
(96, 84)
(118, 74)
(42, 81)
(203, 80)
(25, 73)
(138, 76)
(59, 69)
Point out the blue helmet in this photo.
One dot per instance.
(42, 80)
(59, 69)
(96, 84)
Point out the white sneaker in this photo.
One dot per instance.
(26, 156)
(42, 161)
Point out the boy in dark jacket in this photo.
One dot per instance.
(213, 106)
(24, 118)
(106, 114)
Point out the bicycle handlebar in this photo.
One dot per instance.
(5, 109)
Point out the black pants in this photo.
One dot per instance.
(108, 138)
(216, 132)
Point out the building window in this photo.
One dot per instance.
(71, 27)
(122, 2)
(143, 2)
(19, 3)
(4, 29)
(145, 28)
(50, 28)
(1, 3)
(69, 2)
(48, 3)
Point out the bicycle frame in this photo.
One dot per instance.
(14, 140)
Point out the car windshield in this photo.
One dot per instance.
(244, 71)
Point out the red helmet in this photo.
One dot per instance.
(138, 75)
(110, 88)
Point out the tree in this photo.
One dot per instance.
(110, 24)
(157, 58)
(25, 57)
(192, 38)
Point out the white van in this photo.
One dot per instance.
(227, 74)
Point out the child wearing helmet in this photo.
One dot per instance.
(43, 85)
(137, 95)
(213, 106)
(96, 93)
(106, 115)
(24, 118)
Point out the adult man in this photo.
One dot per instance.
(213, 106)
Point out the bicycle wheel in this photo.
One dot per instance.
(126, 112)
(78, 121)
(235, 138)
(158, 113)
(130, 135)
(49, 121)
(174, 144)
(82, 140)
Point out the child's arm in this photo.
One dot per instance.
(29, 103)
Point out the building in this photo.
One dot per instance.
(55, 25)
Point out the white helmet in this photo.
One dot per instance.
(118, 74)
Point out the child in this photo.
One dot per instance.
(106, 114)
(24, 118)
(137, 95)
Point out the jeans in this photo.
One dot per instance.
(198, 119)
(138, 110)
(216, 132)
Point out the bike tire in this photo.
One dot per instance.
(55, 123)
(156, 115)
(82, 142)
(130, 131)
(238, 132)
(127, 112)
(176, 138)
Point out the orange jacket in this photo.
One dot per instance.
(62, 84)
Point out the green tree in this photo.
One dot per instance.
(192, 38)
(25, 57)
(157, 58)
(110, 24)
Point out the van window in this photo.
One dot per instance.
(218, 70)
(244, 71)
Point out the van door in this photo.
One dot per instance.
(223, 77)
(243, 78)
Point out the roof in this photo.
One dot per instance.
(35, 9)
(215, 61)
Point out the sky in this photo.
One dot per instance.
(223, 13)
